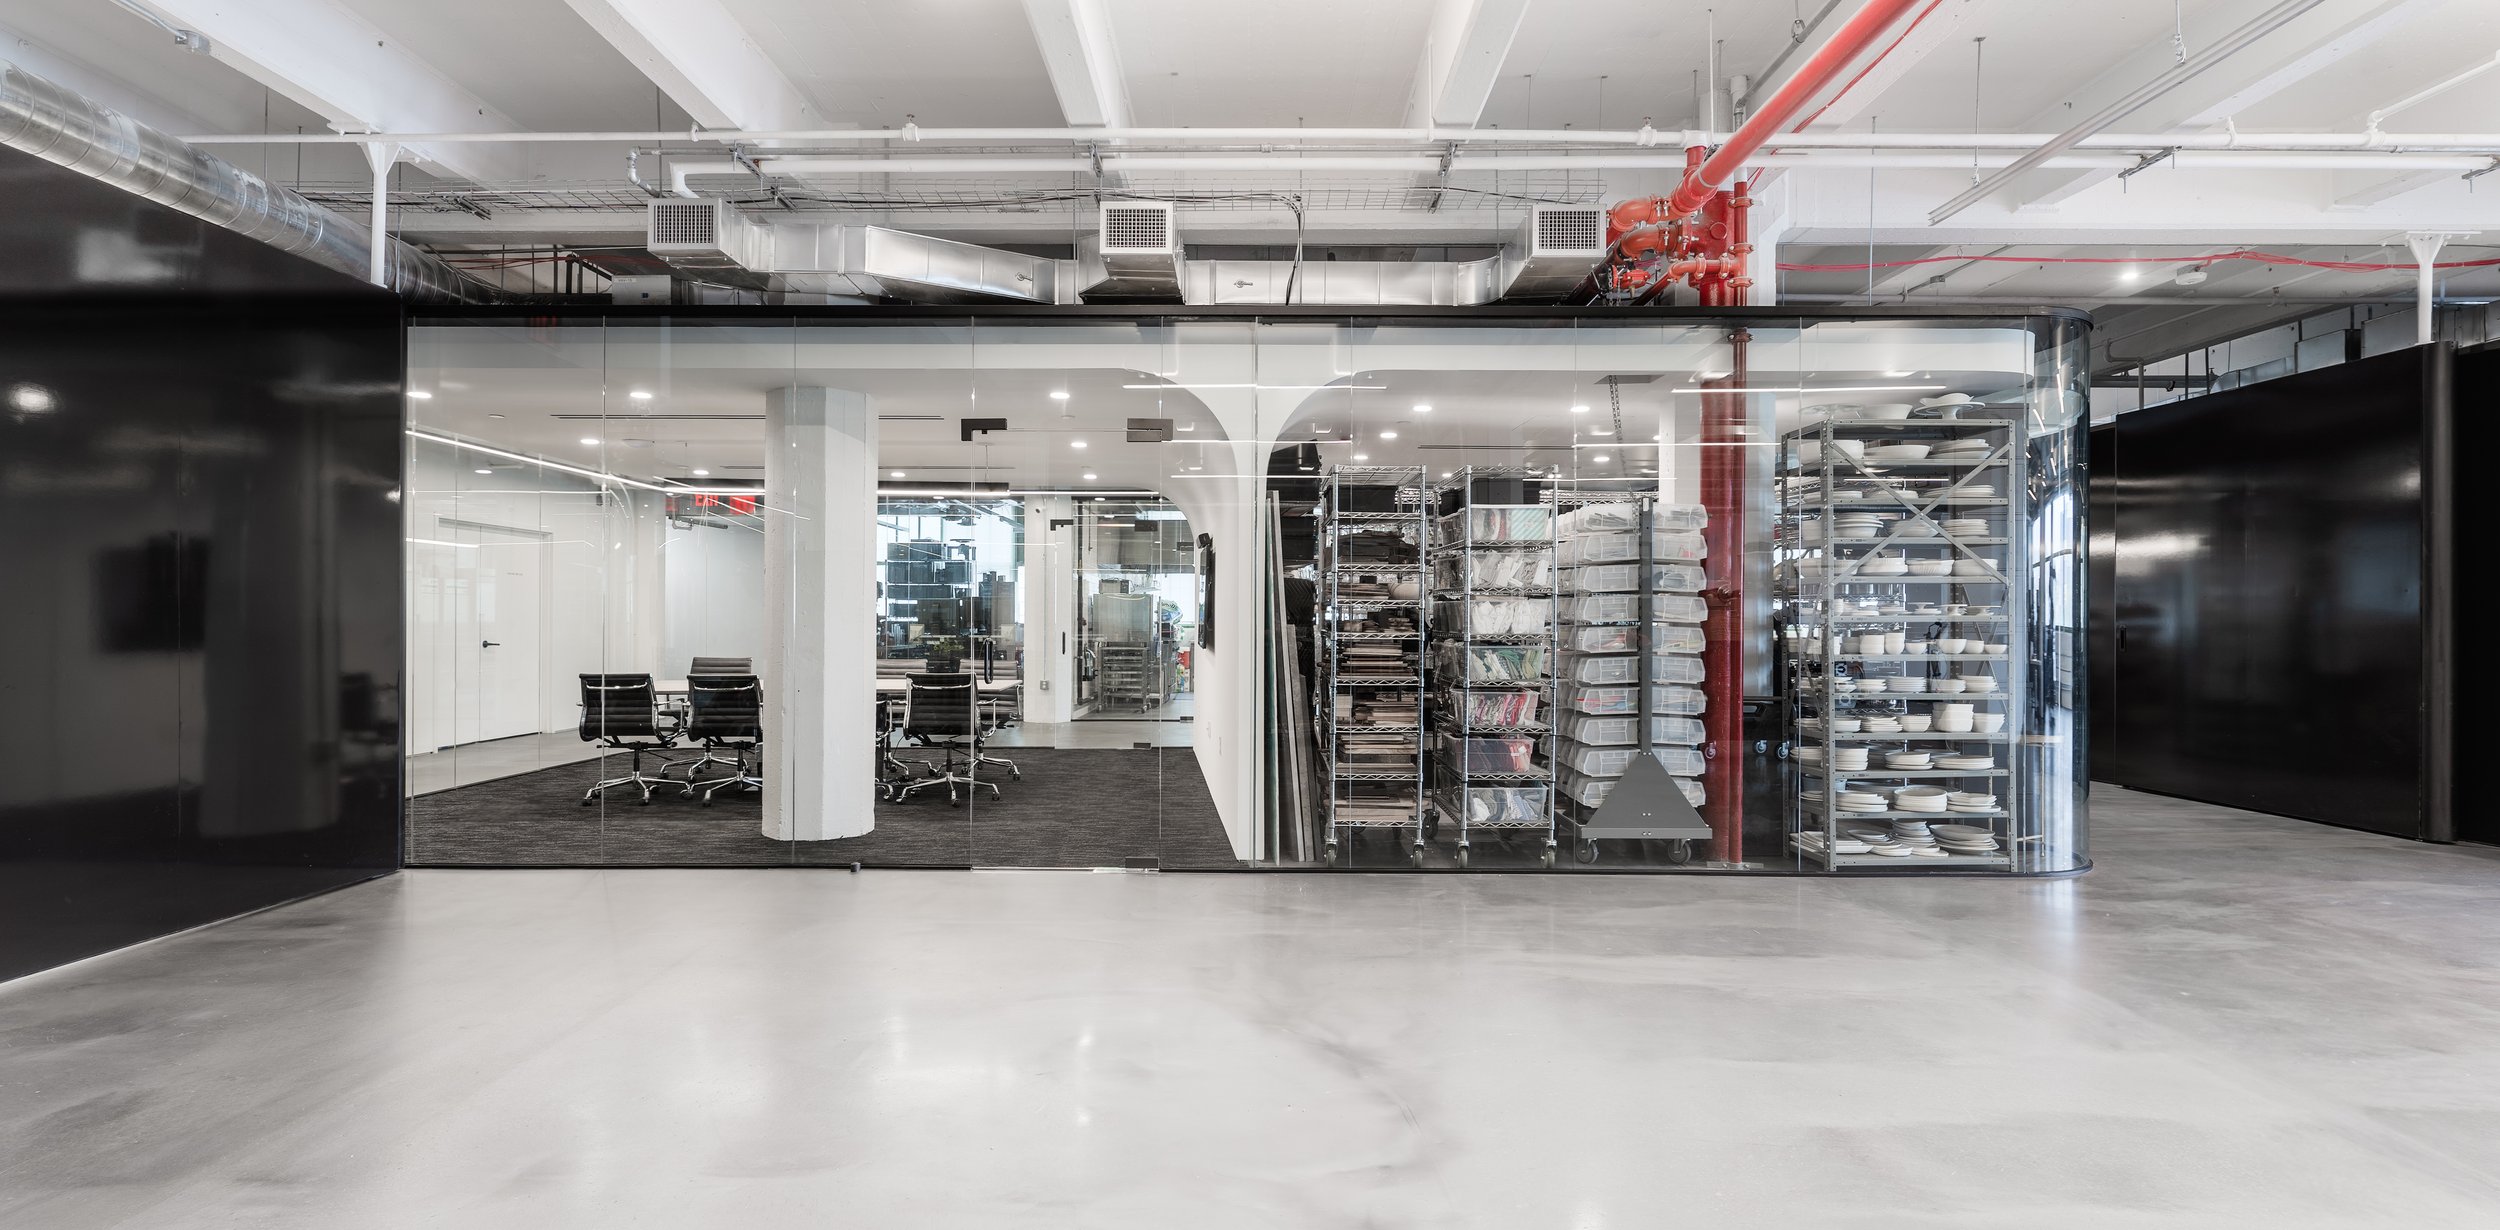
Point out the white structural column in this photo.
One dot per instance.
(1083, 60)
(1465, 47)
(820, 664)
(1050, 599)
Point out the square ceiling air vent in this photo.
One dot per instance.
(684, 223)
(1137, 227)
(1570, 229)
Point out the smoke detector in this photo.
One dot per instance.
(2193, 275)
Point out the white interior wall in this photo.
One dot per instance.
(712, 577)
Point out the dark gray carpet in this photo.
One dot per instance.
(1071, 809)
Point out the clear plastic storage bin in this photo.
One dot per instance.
(1497, 523)
(1626, 578)
(1625, 608)
(1596, 730)
(1489, 664)
(1506, 754)
(1663, 668)
(1626, 518)
(1491, 616)
(1625, 547)
(1590, 791)
(1617, 638)
(1610, 761)
(1609, 700)
(1494, 806)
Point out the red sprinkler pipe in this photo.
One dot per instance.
(1853, 38)
(1723, 476)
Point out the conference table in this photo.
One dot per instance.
(894, 686)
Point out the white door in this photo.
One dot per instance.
(497, 653)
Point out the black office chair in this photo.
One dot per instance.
(893, 772)
(940, 712)
(721, 666)
(623, 712)
(725, 712)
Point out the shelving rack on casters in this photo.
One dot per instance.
(1918, 490)
(1460, 776)
(1410, 510)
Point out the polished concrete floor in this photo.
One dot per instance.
(2235, 1022)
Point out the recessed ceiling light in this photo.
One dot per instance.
(1100, 498)
(708, 473)
(1362, 456)
(1089, 478)
(32, 399)
(419, 395)
(1599, 459)
(2130, 274)
(1713, 375)
(590, 440)
(1059, 395)
(1388, 435)
(640, 395)
(1076, 444)
(1601, 431)
(1186, 427)
(894, 474)
(1423, 407)
(1197, 467)
(494, 416)
(1446, 473)
(1579, 409)
(1317, 428)
(1895, 375)
(484, 470)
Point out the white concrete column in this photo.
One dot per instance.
(820, 664)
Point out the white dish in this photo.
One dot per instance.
(1931, 568)
(1885, 412)
(1897, 452)
(1946, 685)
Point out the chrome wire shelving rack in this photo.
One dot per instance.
(1493, 751)
(1883, 557)
(1360, 614)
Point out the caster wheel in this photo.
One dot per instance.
(952, 801)
(1680, 853)
(1417, 855)
(1462, 856)
(1432, 827)
(1332, 856)
(646, 800)
(1585, 852)
(588, 802)
(707, 800)
(1545, 858)
(1017, 774)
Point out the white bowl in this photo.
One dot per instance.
(1968, 567)
(1917, 723)
(1886, 412)
(1897, 452)
(1988, 723)
(1946, 685)
(1931, 567)
(1992, 647)
(1950, 644)
(1845, 726)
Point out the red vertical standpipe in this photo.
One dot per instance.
(1723, 474)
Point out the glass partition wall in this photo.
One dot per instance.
(1575, 591)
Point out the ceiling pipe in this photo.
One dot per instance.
(1785, 104)
(62, 126)
(1436, 138)
(2179, 74)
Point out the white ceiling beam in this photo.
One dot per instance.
(2308, 43)
(1464, 48)
(2380, 191)
(703, 60)
(1083, 59)
(346, 70)
(1937, 35)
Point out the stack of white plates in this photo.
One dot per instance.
(1858, 800)
(1910, 761)
(1883, 725)
(1883, 565)
(1870, 685)
(1814, 843)
(1975, 491)
(1808, 754)
(1909, 683)
(1915, 527)
(1843, 687)
(1979, 683)
(1971, 566)
(1856, 525)
(1946, 685)
(1919, 798)
(1967, 763)
(1963, 838)
(1967, 527)
(1915, 837)
(1931, 567)
(1963, 801)
(1849, 759)
(1897, 452)
(1952, 449)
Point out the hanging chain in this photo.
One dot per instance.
(1978, 66)
(1614, 404)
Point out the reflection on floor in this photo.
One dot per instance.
(2237, 1021)
(1073, 807)
(1179, 707)
(484, 762)
(1090, 733)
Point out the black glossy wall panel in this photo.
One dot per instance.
(200, 450)
(2101, 571)
(2268, 628)
(2475, 395)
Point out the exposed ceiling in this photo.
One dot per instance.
(1986, 66)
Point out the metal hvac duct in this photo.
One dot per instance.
(62, 126)
(1546, 261)
(712, 241)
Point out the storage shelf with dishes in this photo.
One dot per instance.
(1492, 571)
(1372, 525)
(1894, 524)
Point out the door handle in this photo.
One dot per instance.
(488, 644)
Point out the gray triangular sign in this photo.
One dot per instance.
(1646, 804)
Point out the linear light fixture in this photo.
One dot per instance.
(1264, 388)
(559, 466)
(1835, 388)
(437, 542)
